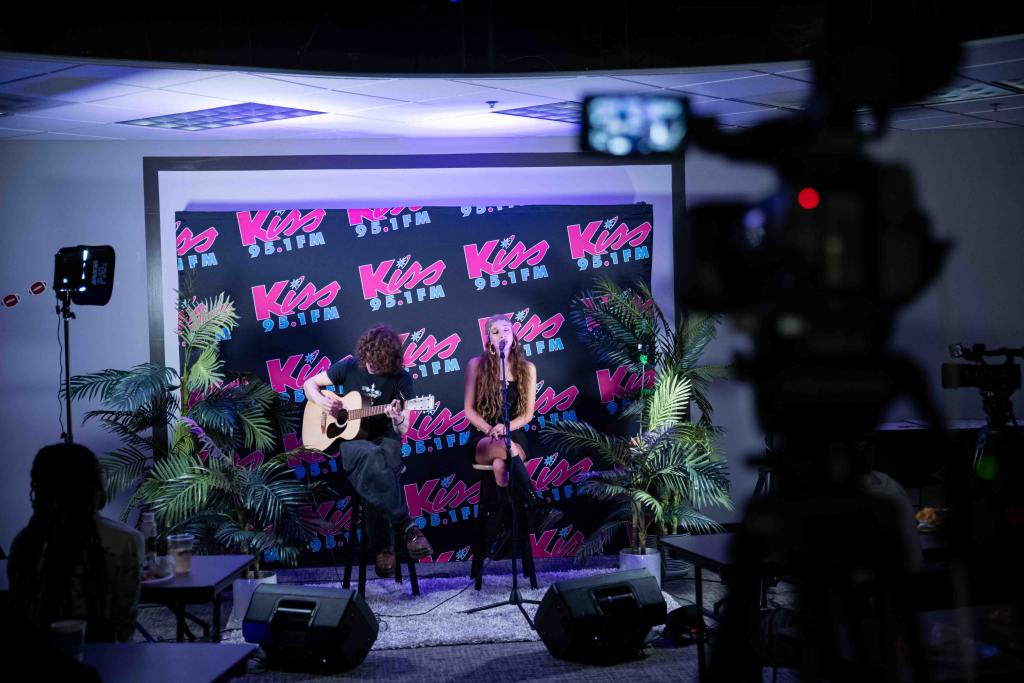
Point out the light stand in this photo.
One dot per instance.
(83, 274)
(64, 311)
(515, 597)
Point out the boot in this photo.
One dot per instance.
(540, 515)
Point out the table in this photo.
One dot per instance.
(714, 552)
(168, 662)
(210, 576)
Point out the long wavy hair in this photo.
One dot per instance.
(61, 564)
(487, 389)
(381, 347)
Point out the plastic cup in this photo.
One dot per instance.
(179, 549)
(69, 637)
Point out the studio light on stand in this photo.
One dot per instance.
(83, 275)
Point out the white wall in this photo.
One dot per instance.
(61, 193)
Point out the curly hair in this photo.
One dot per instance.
(487, 388)
(61, 549)
(381, 347)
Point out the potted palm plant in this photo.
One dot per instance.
(665, 468)
(210, 477)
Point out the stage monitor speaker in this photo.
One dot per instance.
(601, 618)
(301, 628)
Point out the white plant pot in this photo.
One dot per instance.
(651, 561)
(243, 589)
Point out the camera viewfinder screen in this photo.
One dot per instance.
(634, 124)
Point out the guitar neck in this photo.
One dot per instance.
(366, 412)
(413, 404)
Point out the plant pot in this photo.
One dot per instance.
(651, 561)
(242, 590)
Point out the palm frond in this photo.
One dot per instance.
(178, 488)
(257, 430)
(708, 484)
(206, 371)
(605, 487)
(206, 443)
(595, 543)
(272, 493)
(202, 323)
(125, 389)
(696, 522)
(218, 417)
(573, 436)
(124, 468)
(670, 401)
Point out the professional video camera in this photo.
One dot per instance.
(1001, 379)
(816, 274)
(996, 448)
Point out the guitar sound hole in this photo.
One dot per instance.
(334, 429)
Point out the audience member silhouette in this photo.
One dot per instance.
(70, 562)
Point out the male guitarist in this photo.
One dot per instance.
(373, 463)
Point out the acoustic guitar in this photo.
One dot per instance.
(320, 429)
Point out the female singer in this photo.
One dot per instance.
(483, 406)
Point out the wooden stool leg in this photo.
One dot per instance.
(413, 581)
(482, 521)
(364, 551)
(526, 551)
(350, 552)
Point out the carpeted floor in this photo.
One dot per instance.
(445, 645)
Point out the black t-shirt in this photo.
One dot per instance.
(347, 375)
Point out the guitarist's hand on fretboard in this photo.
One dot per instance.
(394, 410)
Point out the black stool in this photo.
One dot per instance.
(487, 508)
(357, 530)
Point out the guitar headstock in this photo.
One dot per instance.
(423, 404)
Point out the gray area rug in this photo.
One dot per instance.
(436, 617)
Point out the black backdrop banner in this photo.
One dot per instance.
(308, 282)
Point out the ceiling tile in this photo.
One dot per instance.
(714, 107)
(68, 87)
(1014, 115)
(9, 133)
(159, 102)
(38, 123)
(965, 123)
(12, 69)
(1012, 70)
(454, 107)
(992, 51)
(126, 132)
(960, 89)
(90, 113)
(144, 77)
(329, 82)
(565, 88)
(67, 136)
(981, 106)
(411, 89)
(266, 90)
(744, 85)
(941, 120)
(747, 119)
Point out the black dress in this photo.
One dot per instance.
(518, 435)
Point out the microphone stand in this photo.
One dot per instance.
(515, 597)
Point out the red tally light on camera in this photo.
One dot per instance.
(808, 198)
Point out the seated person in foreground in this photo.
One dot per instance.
(70, 562)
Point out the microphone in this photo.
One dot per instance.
(501, 347)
